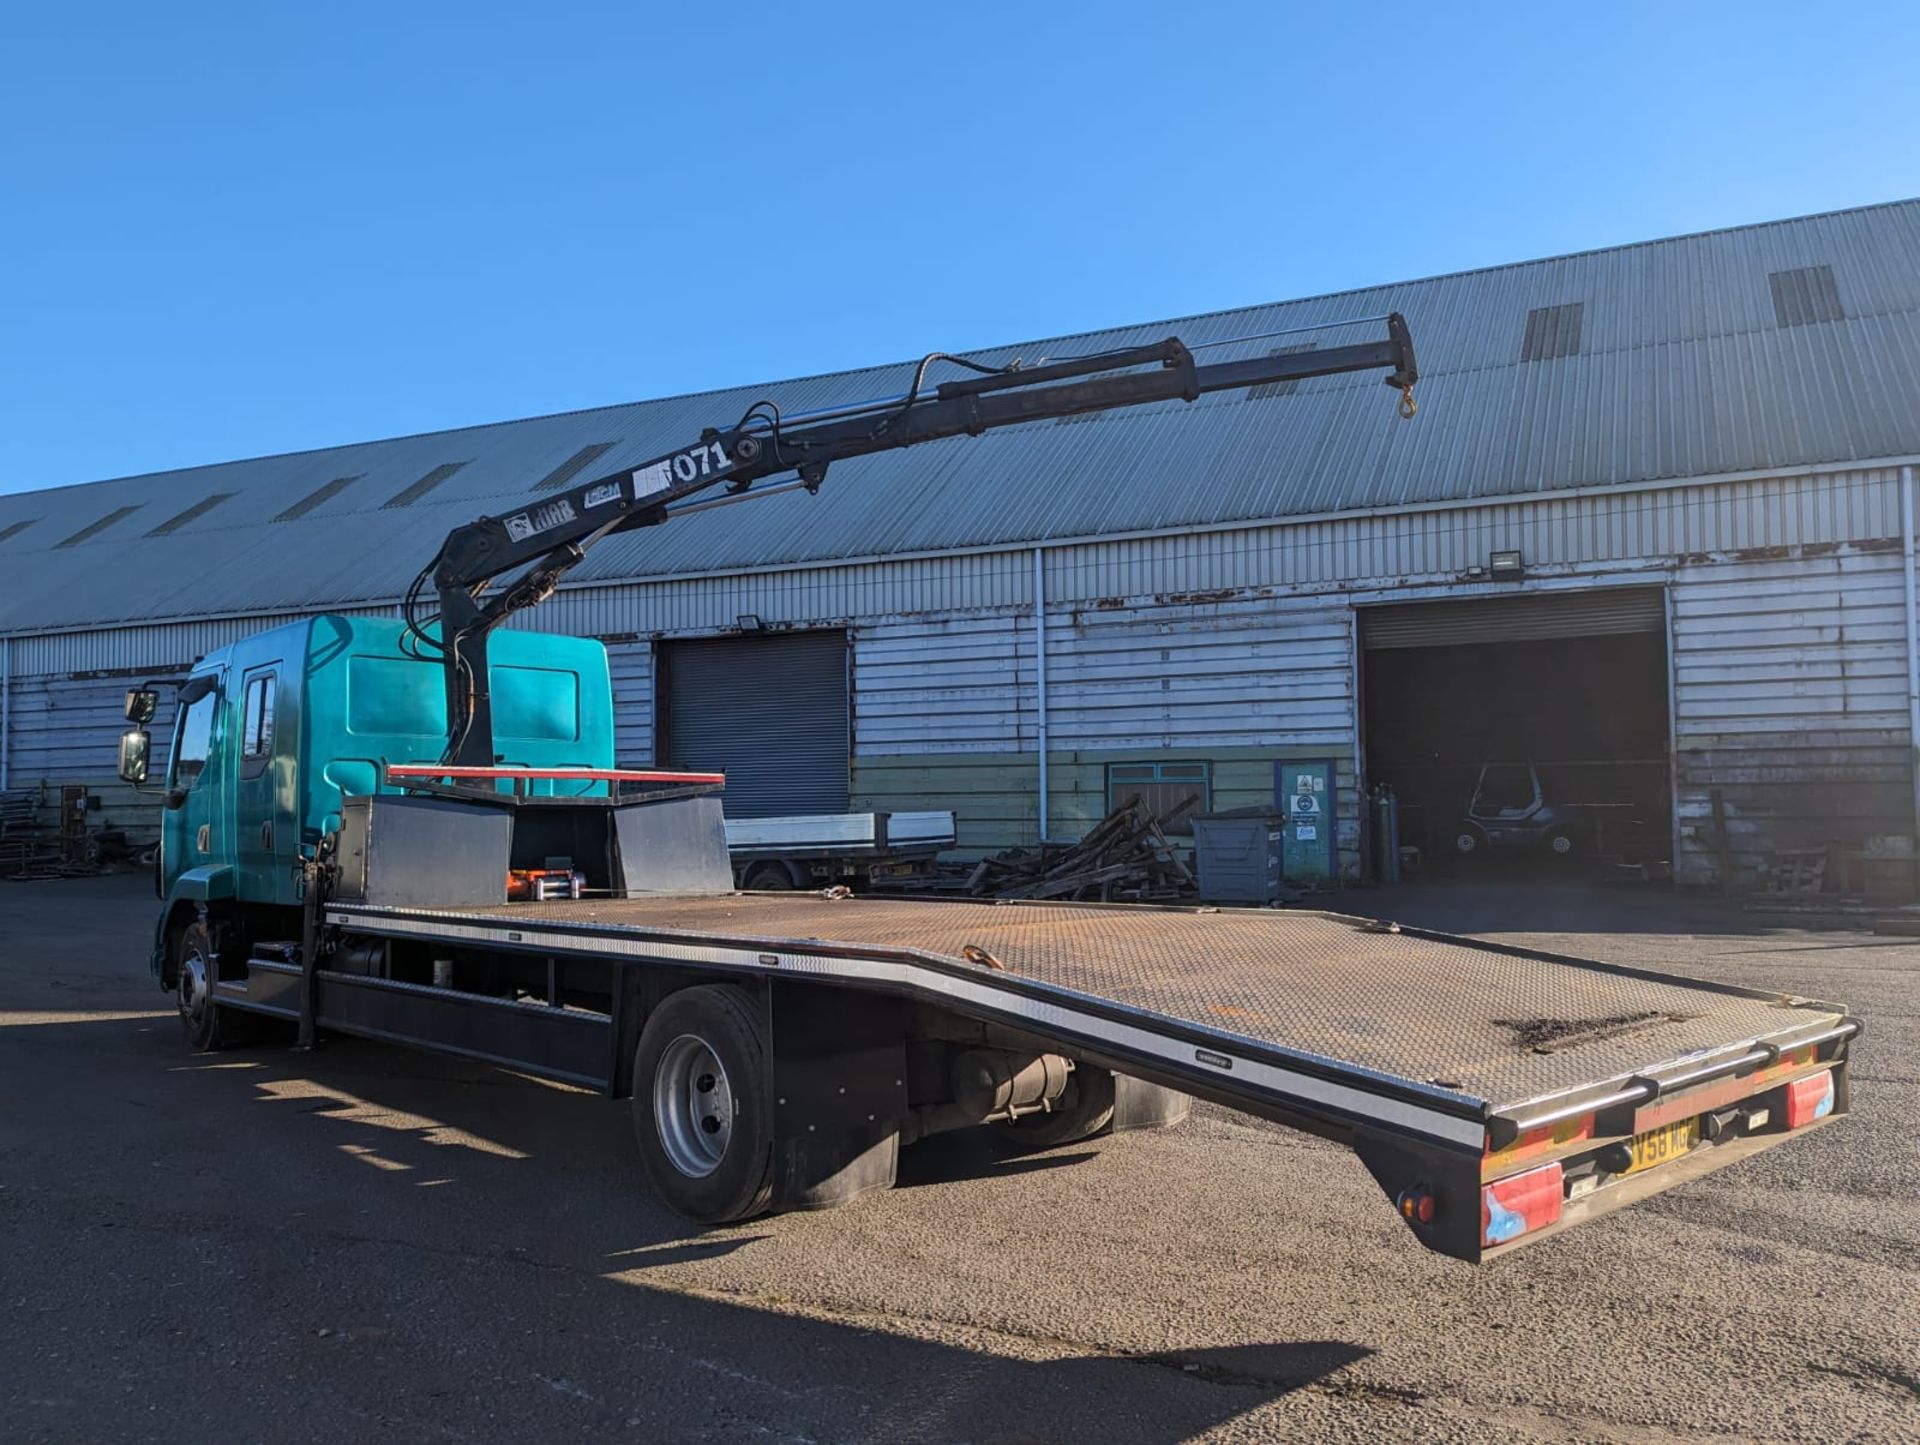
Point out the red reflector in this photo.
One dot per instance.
(1520, 1204)
(1809, 1099)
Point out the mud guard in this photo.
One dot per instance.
(839, 1094)
(1140, 1105)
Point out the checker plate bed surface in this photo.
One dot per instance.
(1496, 1026)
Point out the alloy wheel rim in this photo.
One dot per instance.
(692, 1106)
(193, 985)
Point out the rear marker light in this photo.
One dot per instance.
(1416, 1206)
(1520, 1204)
(1809, 1099)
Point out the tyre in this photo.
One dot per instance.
(195, 967)
(768, 878)
(1083, 1110)
(700, 1107)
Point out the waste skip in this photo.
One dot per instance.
(1237, 854)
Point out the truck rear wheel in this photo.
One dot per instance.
(1084, 1109)
(700, 1107)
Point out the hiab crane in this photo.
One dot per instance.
(549, 537)
(414, 831)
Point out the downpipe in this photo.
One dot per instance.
(1040, 682)
(1907, 545)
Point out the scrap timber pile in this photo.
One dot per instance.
(1125, 857)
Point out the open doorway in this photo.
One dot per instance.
(1525, 734)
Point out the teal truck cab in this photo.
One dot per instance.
(274, 734)
(411, 830)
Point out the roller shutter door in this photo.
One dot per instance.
(1598, 612)
(769, 712)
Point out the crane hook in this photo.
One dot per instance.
(1408, 406)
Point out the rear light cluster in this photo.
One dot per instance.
(1809, 1099)
(1416, 1205)
(1521, 1204)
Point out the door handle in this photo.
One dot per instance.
(266, 836)
(203, 840)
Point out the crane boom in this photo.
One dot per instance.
(543, 540)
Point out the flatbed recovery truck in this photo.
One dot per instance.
(521, 900)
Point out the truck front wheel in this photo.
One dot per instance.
(700, 1107)
(195, 967)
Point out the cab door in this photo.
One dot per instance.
(194, 830)
(260, 826)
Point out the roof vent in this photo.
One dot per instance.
(316, 497)
(14, 529)
(573, 466)
(1805, 296)
(1552, 331)
(420, 488)
(198, 509)
(1281, 388)
(94, 528)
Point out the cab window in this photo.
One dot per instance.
(194, 739)
(256, 725)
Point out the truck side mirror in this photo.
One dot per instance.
(135, 745)
(141, 703)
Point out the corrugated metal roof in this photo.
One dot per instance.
(1683, 368)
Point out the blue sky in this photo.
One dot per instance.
(235, 230)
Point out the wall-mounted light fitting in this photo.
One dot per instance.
(750, 622)
(1505, 566)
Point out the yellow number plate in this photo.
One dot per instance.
(1664, 1145)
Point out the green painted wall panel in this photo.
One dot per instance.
(993, 796)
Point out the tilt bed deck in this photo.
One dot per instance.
(1497, 1094)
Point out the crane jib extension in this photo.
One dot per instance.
(545, 539)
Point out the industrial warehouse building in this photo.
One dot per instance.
(1649, 539)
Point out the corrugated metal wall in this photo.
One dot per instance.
(932, 685)
(946, 707)
(66, 730)
(631, 664)
(1261, 672)
(1790, 703)
(1789, 654)
(159, 645)
(1572, 531)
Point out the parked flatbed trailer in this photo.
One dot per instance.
(1498, 1094)
(820, 850)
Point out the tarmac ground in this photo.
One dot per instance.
(373, 1244)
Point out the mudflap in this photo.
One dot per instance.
(1140, 1105)
(839, 1093)
(1408, 1172)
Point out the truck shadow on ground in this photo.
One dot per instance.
(535, 1188)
